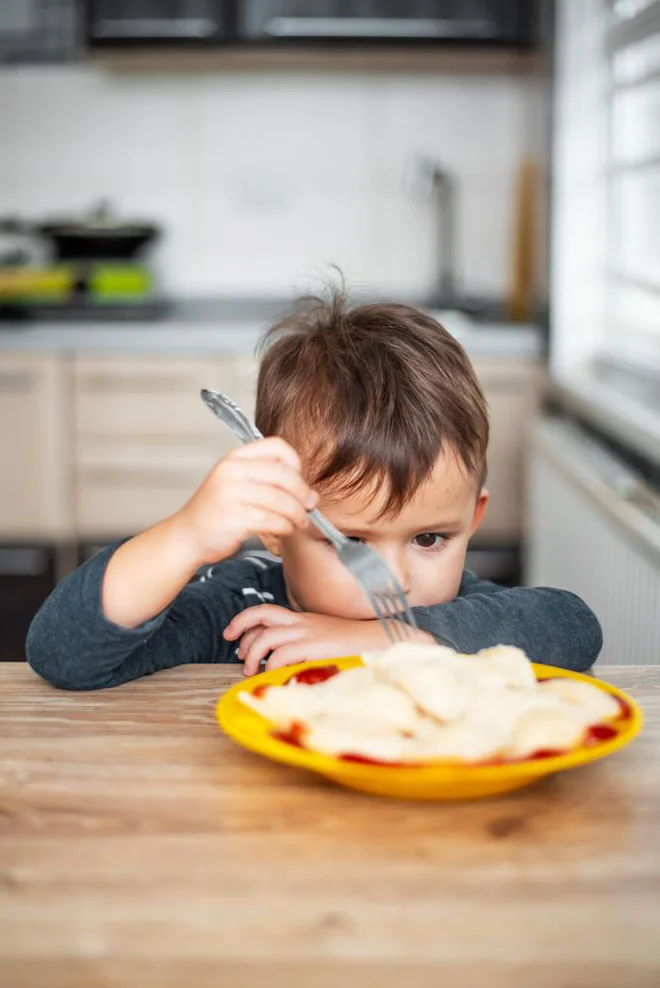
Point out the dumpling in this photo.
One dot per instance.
(595, 704)
(465, 739)
(407, 652)
(439, 688)
(381, 702)
(552, 727)
(435, 677)
(503, 667)
(282, 705)
(484, 728)
(353, 694)
(365, 737)
(302, 701)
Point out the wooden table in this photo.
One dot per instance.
(139, 847)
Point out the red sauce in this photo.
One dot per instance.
(365, 760)
(543, 753)
(294, 735)
(598, 733)
(260, 690)
(314, 675)
(535, 756)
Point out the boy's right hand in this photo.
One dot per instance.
(256, 489)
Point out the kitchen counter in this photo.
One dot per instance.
(231, 327)
(141, 847)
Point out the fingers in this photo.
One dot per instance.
(271, 448)
(263, 644)
(268, 615)
(288, 655)
(271, 473)
(247, 639)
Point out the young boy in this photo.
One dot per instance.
(373, 414)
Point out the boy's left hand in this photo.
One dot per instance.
(290, 636)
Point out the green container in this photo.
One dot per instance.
(118, 283)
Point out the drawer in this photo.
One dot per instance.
(122, 488)
(112, 502)
(512, 413)
(155, 397)
(161, 454)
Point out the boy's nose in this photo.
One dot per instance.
(398, 563)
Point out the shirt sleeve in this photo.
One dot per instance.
(552, 626)
(72, 645)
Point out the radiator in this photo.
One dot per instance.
(594, 528)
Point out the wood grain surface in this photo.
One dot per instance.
(139, 847)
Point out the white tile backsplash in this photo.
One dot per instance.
(263, 180)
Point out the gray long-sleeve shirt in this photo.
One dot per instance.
(73, 645)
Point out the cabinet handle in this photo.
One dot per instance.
(16, 382)
(114, 477)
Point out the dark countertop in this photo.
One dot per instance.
(231, 326)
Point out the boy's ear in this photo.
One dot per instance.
(479, 510)
(273, 543)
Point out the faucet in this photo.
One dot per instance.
(424, 179)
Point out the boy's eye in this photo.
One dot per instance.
(351, 538)
(429, 540)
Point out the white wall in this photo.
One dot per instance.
(262, 180)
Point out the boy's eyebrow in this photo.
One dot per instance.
(443, 526)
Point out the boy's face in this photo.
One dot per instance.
(425, 544)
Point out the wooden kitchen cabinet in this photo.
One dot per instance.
(95, 448)
(513, 390)
(144, 440)
(35, 452)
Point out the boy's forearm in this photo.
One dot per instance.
(146, 573)
(552, 626)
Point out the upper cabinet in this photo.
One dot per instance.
(410, 33)
(327, 22)
(40, 30)
(503, 22)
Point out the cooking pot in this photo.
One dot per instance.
(94, 237)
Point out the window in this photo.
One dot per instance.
(606, 211)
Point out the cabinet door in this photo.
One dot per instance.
(144, 439)
(513, 391)
(34, 448)
(113, 501)
(157, 397)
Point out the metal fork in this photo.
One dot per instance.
(368, 568)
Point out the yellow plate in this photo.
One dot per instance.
(433, 780)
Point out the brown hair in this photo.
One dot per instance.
(370, 395)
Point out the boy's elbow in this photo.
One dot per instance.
(50, 661)
(587, 640)
(594, 646)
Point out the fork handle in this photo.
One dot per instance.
(233, 416)
(337, 538)
(236, 419)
